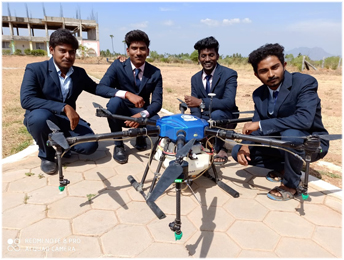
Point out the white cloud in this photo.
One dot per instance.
(246, 20)
(168, 23)
(210, 22)
(140, 25)
(231, 21)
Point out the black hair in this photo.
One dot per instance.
(207, 43)
(63, 36)
(136, 36)
(264, 51)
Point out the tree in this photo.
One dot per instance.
(194, 56)
(112, 42)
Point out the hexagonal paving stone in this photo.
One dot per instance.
(334, 203)
(4, 187)
(161, 232)
(99, 173)
(315, 196)
(202, 245)
(76, 247)
(290, 205)
(126, 241)
(207, 195)
(8, 239)
(45, 195)
(301, 248)
(293, 224)
(130, 168)
(238, 175)
(110, 199)
(168, 204)
(45, 233)
(68, 207)
(27, 184)
(256, 254)
(163, 250)
(246, 191)
(120, 182)
(23, 215)
(85, 187)
(322, 215)
(253, 235)
(79, 166)
(74, 177)
(329, 238)
(137, 213)
(94, 222)
(93, 157)
(204, 182)
(248, 209)
(11, 200)
(210, 218)
(262, 184)
(14, 175)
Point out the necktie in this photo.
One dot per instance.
(275, 94)
(207, 84)
(137, 79)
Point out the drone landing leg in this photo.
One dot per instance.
(176, 225)
(304, 191)
(63, 182)
(221, 184)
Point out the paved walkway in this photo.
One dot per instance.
(39, 221)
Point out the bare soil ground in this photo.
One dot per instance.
(176, 83)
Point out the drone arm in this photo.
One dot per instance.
(227, 121)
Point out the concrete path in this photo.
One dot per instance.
(101, 215)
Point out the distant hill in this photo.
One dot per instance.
(315, 53)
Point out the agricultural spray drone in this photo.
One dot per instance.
(180, 149)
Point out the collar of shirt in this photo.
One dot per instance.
(70, 71)
(272, 91)
(142, 68)
(204, 80)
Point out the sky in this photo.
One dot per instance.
(174, 27)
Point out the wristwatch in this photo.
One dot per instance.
(143, 114)
(202, 105)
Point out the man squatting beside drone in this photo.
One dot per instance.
(133, 82)
(286, 105)
(49, 91)
(217, 79)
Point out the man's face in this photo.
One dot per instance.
(208, 59)
(270, 71)
(138, 52)
(64, 56)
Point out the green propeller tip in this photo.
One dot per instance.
(61, 188)
(178, 236)
(305, 196)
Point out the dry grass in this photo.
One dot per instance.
(176, 78)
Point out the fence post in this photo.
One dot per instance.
(339, 62)
(303, 62)
(323, 62)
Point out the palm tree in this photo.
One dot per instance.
(112, 43)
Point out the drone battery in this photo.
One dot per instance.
(171, 125)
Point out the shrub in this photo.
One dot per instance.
(38, 53)
(27, 52)
(6, 52)
(18, 52)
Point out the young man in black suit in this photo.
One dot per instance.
(287, 105)
(49, 91)
(217, 79)
(134, 81)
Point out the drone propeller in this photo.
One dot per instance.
(329, 137)
(57, 137)
(172, 172)
(96, 105)
(243, 112)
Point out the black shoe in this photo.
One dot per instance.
(119, 155)
(48, 167)
(141, 144)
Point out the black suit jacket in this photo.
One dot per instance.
(41, 87)
(224, 85)
(120, 77)
(297, 107)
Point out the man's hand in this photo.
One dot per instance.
(244, 155)
(133, 124)
(192, 101)
(72, 116)
(121, 58)
(135, 99)
(250, 127)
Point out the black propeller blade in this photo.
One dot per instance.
(96, 105)
(331, 137)
(185, 149)
(171, 173)
(57, 137)
(243, 112)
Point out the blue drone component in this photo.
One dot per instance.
(191, 125)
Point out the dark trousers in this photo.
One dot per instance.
(35, 122)
(220, 115)
(278, 159)
(120, 106)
